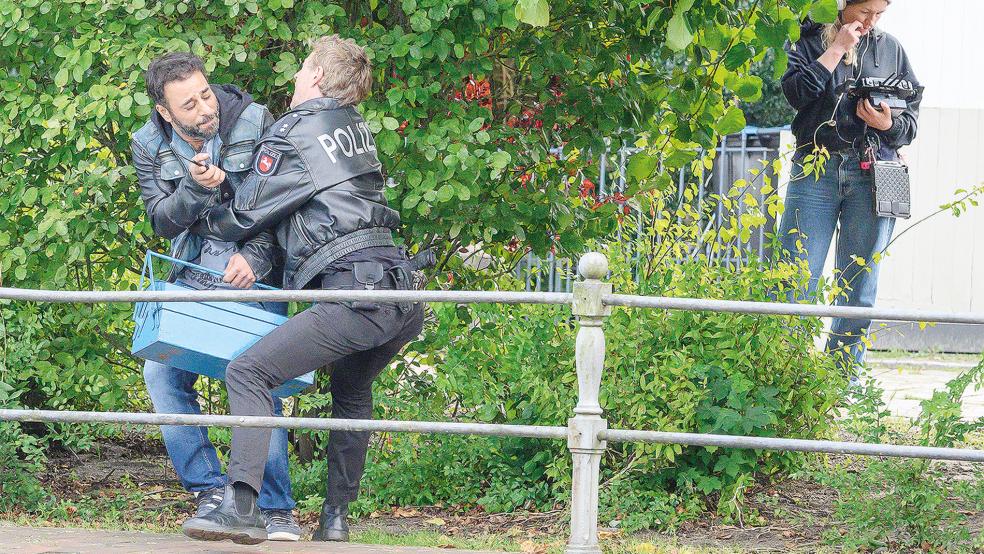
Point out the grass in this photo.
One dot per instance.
(875, 356)
(431, 539)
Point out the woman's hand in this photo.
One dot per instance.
(848, 37)
(881, 120)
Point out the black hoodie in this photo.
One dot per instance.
(810, 89)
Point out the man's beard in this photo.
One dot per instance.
(202, 131)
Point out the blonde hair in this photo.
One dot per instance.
(830, 31)
(348, 73)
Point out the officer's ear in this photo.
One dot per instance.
(319, 75)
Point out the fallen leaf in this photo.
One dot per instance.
(530, 547)
(435, 521)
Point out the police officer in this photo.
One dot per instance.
(317, 182)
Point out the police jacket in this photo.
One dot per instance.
(813, 91)
(174, 201)
(316, 181)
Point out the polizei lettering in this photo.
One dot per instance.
(348, 141)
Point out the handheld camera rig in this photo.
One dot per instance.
(894, 90)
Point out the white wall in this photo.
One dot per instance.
(940, 263)
(943, 39)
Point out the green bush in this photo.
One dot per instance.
(20, 461)
(906, 504)
(471, 97)
(665, 370)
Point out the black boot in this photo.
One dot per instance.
(236, 518)
(332, 526)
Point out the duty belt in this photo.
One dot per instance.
(335, 250)
(371, 276)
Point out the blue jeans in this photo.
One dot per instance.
(840, 199)
(172, 391)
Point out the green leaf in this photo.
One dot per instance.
(773, 35)
(748, 88)
(732, 122)
(61, 78)
(824, 11)
(678, 35)
(394, 96)
(125, 104)
(533, 12)
(446, 192)
(419, 22)
(400, 49)
(500, 159)
(388, 141)
(782, 62)
(476, 124)
(736, 56)
(390, 123)
(641, 166)
(29, 197)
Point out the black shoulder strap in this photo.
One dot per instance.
(286, 123)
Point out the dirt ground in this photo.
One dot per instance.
(790, 516)
(794, 513)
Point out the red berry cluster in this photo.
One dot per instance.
(587, 188)
(480, 90)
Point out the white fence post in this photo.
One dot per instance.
(582, 439)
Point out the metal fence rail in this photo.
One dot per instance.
(587, 431)
(495, 430)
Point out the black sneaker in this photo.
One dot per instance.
(281, 525)
(332, 525)
(206, 501)
(226, 522)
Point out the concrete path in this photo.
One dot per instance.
(28, 540)
(907, 382)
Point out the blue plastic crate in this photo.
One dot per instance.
(201, 337)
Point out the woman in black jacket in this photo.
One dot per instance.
(820, 63)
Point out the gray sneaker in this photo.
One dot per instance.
(281, 525)
(206, 501)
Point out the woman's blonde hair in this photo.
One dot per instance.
(348, 73)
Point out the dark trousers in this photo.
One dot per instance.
(357, 343)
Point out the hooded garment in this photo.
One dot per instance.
(811, 90)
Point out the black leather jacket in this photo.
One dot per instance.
(174, 201)
(316, 181)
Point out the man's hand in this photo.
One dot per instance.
(880, 120)
(238, 273)
(208, 178)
